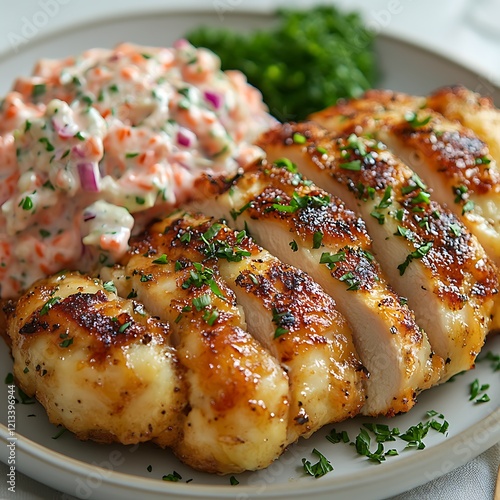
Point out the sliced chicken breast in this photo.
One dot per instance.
(95, 361)
(306, 227)
(285, 310)
(238, 395)
(449, 157)
(472, 110)
(429, 256)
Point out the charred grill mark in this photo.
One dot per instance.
(299, 301)
(458, 154)
(355, 268)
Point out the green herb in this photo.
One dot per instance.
(79, 136)
(414, 183)
(131, 155)
(362, 444)
(27, 126)
(406, 233)
(163, 259)
(212, 232)
(320, 468)
(422, 197)
(201, 302)
(60, 433)
(109, 286)
(455, 229)
(132, 294)
(124, 326)
(174, 477)
(350, 279)
(48, 145)
(293, 245)
(476, 390)
(38, 90)
(186, 237)
(113, 88)
(26, 203)
(382, 432)
(460, 192)
(66, 342)
(386, 201)
(317, 239)
(210, 317)
(146, 277)
(236, 213)
(414, 121)
(149, 468)
(417, 254)
(354, 165)
(298, 202)
(337, 437)
(233, 481)
(283, 320)
(44, 233)
(307, 61)
(468, 206)
(331, 259)
(379, 216)
(299, 138)
(483, 160)
(48, 305)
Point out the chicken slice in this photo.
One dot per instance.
(305, 227)
(238, 394)
(285, 310)
(428, 254)
(95, 361)
(472, 110)
(450, 158)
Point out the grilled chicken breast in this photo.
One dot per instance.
(428, 254)
(287, 312)
(472, 110)
(237, 393)
(96, 361)
(306, 227)
(449, 157)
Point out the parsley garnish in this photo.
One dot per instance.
(476, 389)
(283, 320)
(414, 121)
(163, 259)
(417, 254)
(317, 239)
(109, 286)
(174, 477)
(293, 245)
(354, 165)
(146, 277)
(48, 305)
(320, 468)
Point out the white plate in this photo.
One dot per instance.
(111, 471)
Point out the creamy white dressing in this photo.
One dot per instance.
(91, 147)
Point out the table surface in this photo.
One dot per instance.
(462, 30)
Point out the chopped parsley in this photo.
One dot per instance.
(478, 392)
(109, 286)
(48, 305)
(283, 320)
(317, 239)
(163, 259)
(420, 252)
(320, 468)
(412, 118)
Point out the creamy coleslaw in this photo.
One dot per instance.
(93, 144)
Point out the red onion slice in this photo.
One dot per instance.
(185, 137)
(88, 173)
(213, 98)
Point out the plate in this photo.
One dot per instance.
(89, 470)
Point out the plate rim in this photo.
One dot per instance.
(368, 480)
(416, 462)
